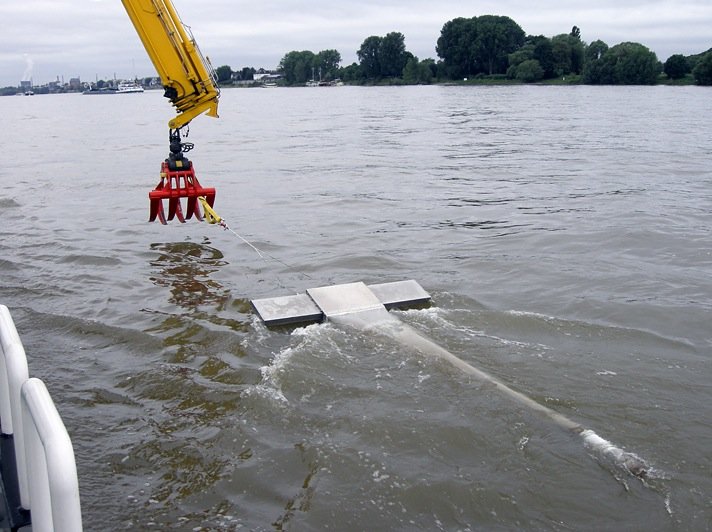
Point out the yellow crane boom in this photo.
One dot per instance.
(191, 85)
(187, 77)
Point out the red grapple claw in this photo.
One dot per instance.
(174, 185)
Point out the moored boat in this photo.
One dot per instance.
(124, 87)
(128, 86)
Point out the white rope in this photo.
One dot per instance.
(262, 254)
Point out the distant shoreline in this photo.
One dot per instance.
(486, 81)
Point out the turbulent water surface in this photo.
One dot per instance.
(564, 233)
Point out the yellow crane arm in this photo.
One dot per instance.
(188, 78)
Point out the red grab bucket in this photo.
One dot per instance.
(174, 185)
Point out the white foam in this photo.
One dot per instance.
(623, 459)
(267, 392)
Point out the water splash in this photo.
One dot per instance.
(629, 462)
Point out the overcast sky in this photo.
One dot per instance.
(47, 39)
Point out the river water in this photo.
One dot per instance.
(563, 232)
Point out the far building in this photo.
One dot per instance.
(26, 84)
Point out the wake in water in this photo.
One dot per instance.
(270, 386)
(329, 339)
(604, 450)
(630, 462)
(611, 456)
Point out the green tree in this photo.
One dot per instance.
(578, 50)
(544, 53)
(297, 67)
(454, 47)
(703, 70)
(529, 71)
(383, 56)
(496, 38)
(247, 73)
(525, 53)
(578, 56)
(410, 71)
(676, 66)
(692, 60)
(327, 63)
(561, 51)
(418, 72)
(392, 56)
(427, 70)
(368, 56)
(479, 45)
(596, 50)
(634, 64)
(353, 72)
(627, 63)
(568, 54)
(595, 72)
(224, 73)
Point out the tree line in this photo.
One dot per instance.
(497, 48)
(486, 47)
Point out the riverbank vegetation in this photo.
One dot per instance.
(495, 49)
(485, 49)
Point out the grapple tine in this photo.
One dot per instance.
(161, 214)
(155, 204)
(155, 199)
(179, 212)
(191, 208)
(172, 202)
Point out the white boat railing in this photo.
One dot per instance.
(46, 469)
